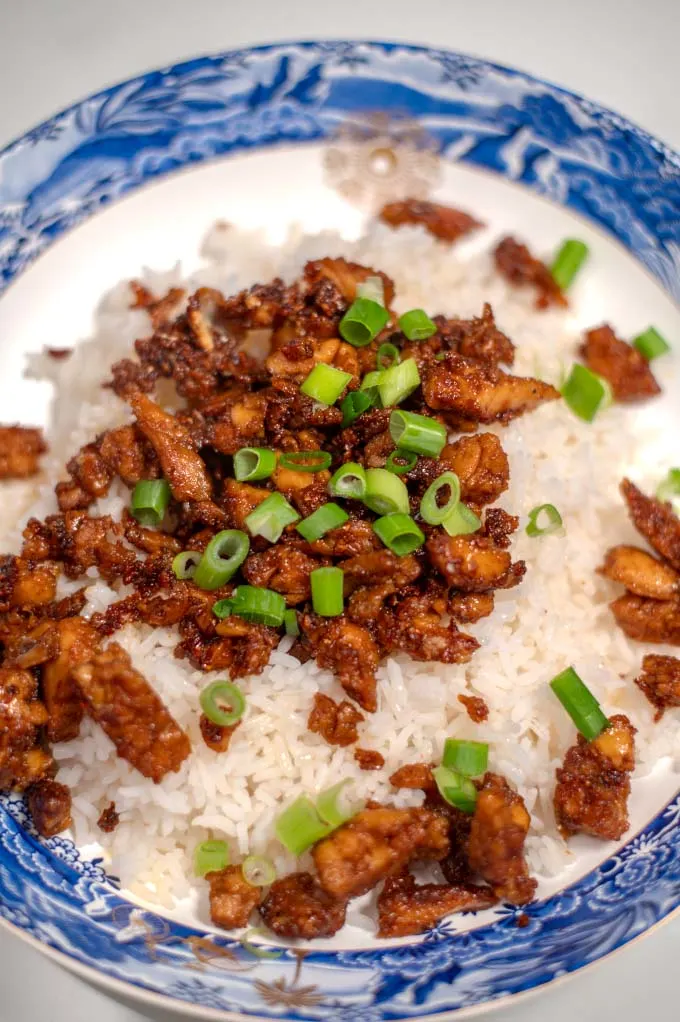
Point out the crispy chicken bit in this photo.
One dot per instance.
(128, 709)
(182, 466)
(239, 646)
(232, 898)
(353, 538)
(516, 263)
(414, 626)
(22, 760)
(375, 844)
(297, 907)
(620, 364)
(108, 818)
(640, 573)
(476, 708)
(349, 651)
(443, 222)
(660, 682)
(406, 908)
(20, 450)
(593, 785)
(216, 736)
(336, 722)
(648, 620)
(482, 466)
(473, 563)
(380, 565)
(369, 759)
(25, 584)
(283, 569)
(414, 775)
(239, 499)
(498, 526)
(481, 392)
(477, 338)
(467, 608)
(657, 522)
(496, 848)
(49, 804)
(77, 643)
(346, 276)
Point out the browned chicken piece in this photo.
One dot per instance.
(216, 736)
(22, 760)
(496, 847)
(128, 709)
(622, 365)
(414, 775)
(444, 222)
(499, 526)
(516, 263)
(182, 465)
(108, 818)
(481, 392)
(369, 759)
(406, 908)
(77, 644)
(382, 564)
(336, 722)
(297, 907)
(660, 682)
(239, 499)
(23, 583)
(473, 563)
(414, 626)
(482, 466)
(79, 542)
(648, 620)
(49, 804)
(347, 275)
(239, 423)
(467, 608)
(349, 651)
(236, 645)
(151, 541)
(375, 844)
(232, 898)
(455, 866)
(160, 310)
(20, 450)
(123, 451)
(476, 708)
(593, 785)
(640, 573)
(657, 522)
(283, 569)
(477, 338)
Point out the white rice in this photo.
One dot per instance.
(558, 616)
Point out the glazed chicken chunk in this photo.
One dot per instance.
(77, 643)
(337, 722)
(23, 761)
(473, 563)
(520, 268)
(622, 365)
(641, 574)
(349, 651)
(657, 522)
(481, 465)
(648, 620)
(496, 847)
(297, 907)
(443, 222)
(660, 682)
(406, 908)
(49, 804)
(20, 450)
(182, 466)
(232, 898)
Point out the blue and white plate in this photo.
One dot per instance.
(269, 136)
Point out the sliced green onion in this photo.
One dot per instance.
(290, 622)
(325, 383)
(184, 565)
(262, 606)
(327, 591)
(454, 788)
(372, 288)
(150, 499)
(300, 826)
(441, 356)
(223, 556)
(586, 393)
(332, 808)
(400, 462)
(256, 949)
(388, 355)
(461, 521)
(370, 382)
(399, 533)
(417, 433)
(669, 490)
(210, 856)
(417, 325)
(651, 344)
(349, 481)
(363, 321)
(271, 517)
(222, 703)
(321, 521)
(385, 492)
(430, 509)
(223, 608)
(251, 463)
(398, 382)
(568, 262)
(258, 871)
(355, 404)
(553, 520)
(306, 461)
(580, 703)
(467, 758)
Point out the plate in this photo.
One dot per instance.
(265, 137)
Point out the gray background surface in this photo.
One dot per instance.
(620, 52)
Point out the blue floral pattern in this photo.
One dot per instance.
(561, 146)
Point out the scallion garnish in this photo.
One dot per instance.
(417, 433)
(150, 499)
(586, 393)
(349, 481)
(580, 703)
(184, 565)
(222, 608)
(388, 355)
(262, 606)
(321, 521)
(370, 382)
(431, 510)
(300, 826)
(223, 556)
(332, 808)
(258, 871)
(551, 517)
(271, 517)
(222, 703)
(651, 344)
(467, 758)
(400, 462)
(290, 622)
(325, 383)
(568, 262)
(669, 490)
(306, 461)
(454, 788)
(355, 404)
(363, 321)
(252, 463)
(256, 949)
(461, 521)
(372, 288)
(385, 492)
(210, 856)
(397, 382)
(399, 533)
(417, 325)
(327, 591)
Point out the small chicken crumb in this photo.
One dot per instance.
(369, 759)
